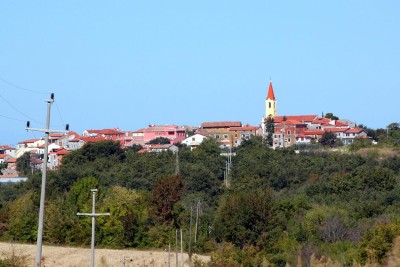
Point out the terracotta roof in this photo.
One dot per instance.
(110, 131)
(221, 124)
(271, 94)
(305, 118)
(62, 152)
(140, 130)
(11, 160)
(72, 133)
(321, 120)
(339, 123)
(355, 130)
(55, 135)
(93, 131)
(2, 156)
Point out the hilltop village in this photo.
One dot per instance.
(287, 130)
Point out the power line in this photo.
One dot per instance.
(22, 88)
(14, 119)
(17, 110)
(59, 113)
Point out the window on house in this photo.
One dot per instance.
(288, 132)
(217, 136)
(225, 136)
(288, 140)
(193, 139)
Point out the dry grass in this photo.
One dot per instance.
(76, 257)
(381, 152)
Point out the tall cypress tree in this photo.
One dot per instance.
(269, 130)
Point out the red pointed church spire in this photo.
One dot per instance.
(271, 94)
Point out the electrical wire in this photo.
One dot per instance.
(20, 112)
(22, 88)
(28, 90)
(59, 113)
(13, 119)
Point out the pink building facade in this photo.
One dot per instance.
(174, 133)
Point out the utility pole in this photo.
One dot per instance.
(177, 169)
(47, 131)
(197, 220)
(169, 254)
(176, 247)
(93, 215)
(190, 236)
(182, 248)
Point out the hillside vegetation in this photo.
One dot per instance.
(283, 207)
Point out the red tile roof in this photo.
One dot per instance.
(110, 131)
(340, 124)
(321, 120)
(93, 131)
(305, 118)
(11, 160)
(271, 94)
(62, 152)
(355, 130)
(221, 124)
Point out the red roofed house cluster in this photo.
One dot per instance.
(288, 130)
(305, 129)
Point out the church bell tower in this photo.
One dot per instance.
(270, 102)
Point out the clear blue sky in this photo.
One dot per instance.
(130, 63)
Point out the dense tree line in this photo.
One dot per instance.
(283, 206)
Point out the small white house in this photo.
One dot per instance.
(194, 140)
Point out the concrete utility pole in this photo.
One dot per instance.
(47, 131)
(176, 247)
(182, 248)
(197, 220)
(93, 215)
